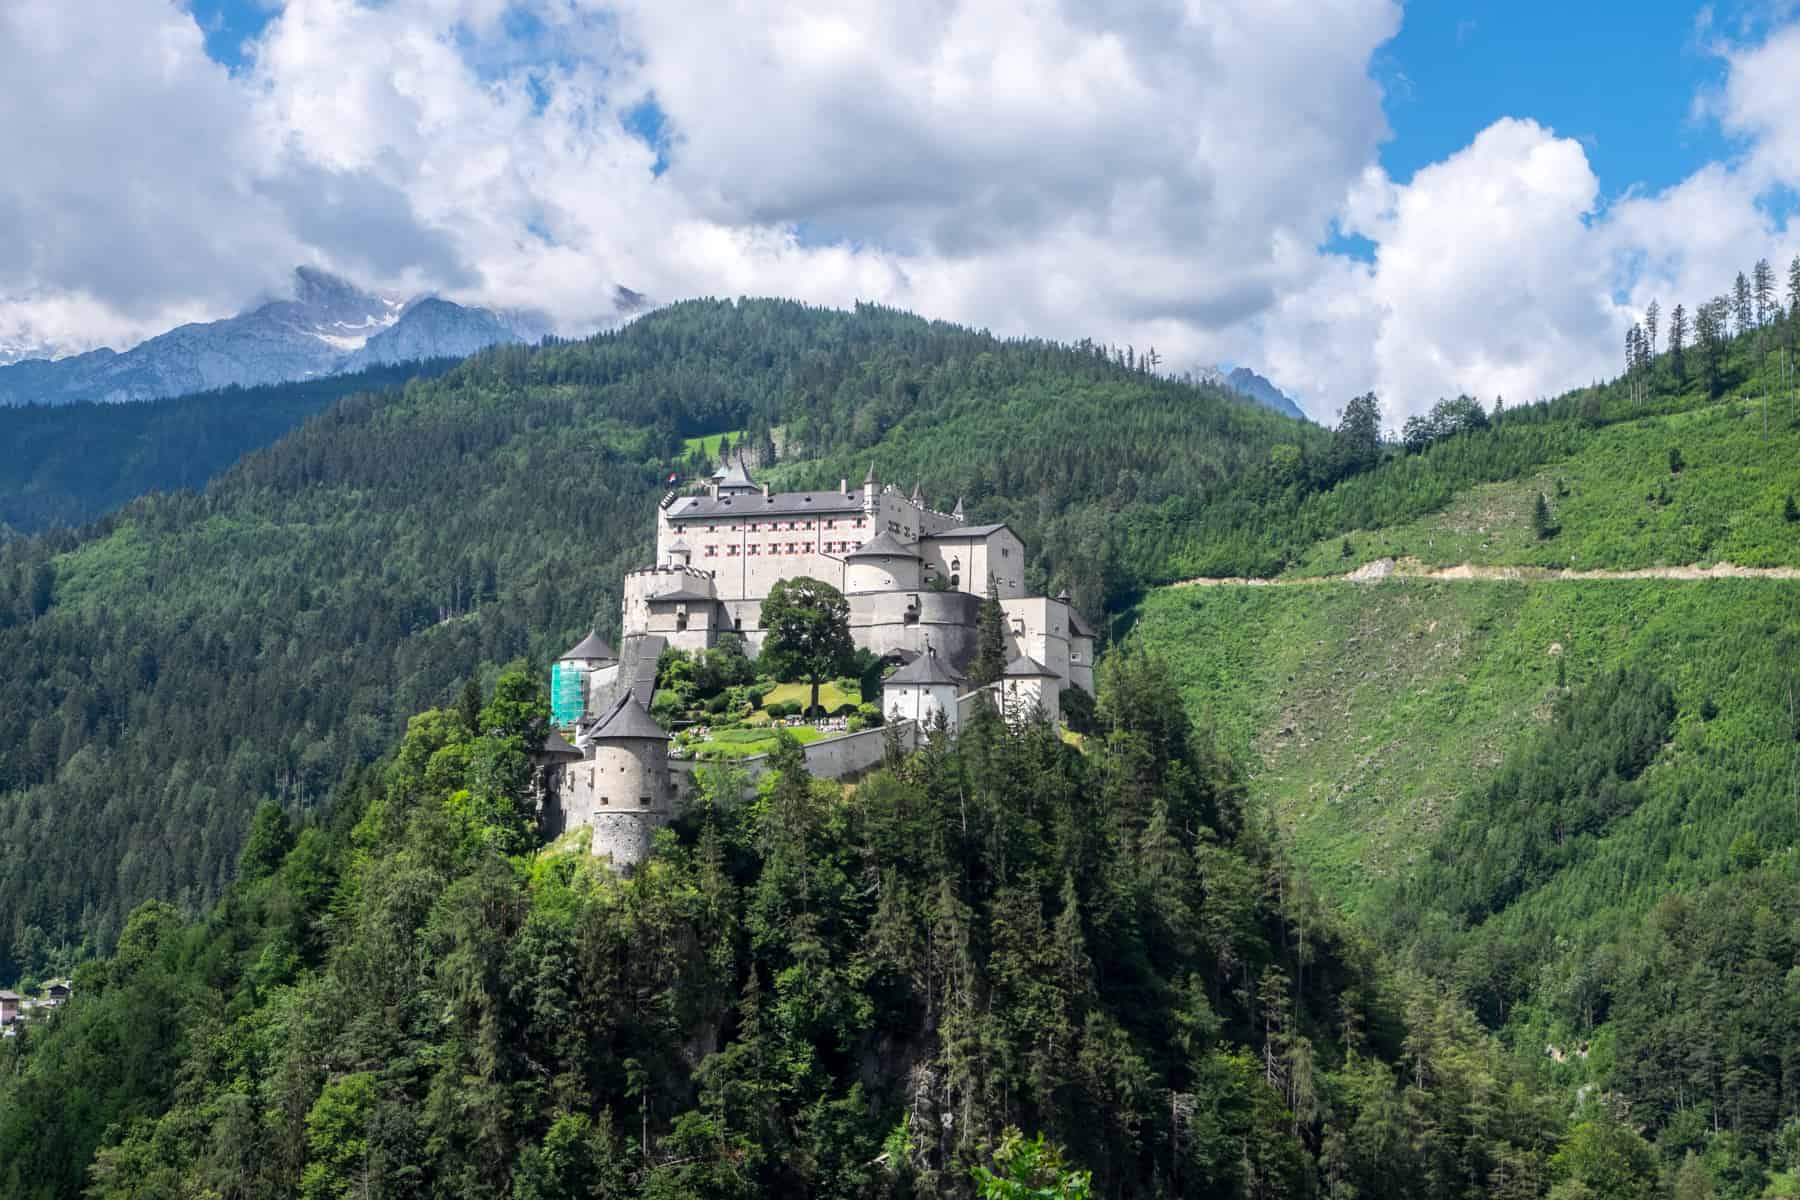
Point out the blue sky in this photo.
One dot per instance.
(1518, 180)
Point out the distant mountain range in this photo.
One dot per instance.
(329, 326)
(1249, 384)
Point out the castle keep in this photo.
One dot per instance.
(914, 579)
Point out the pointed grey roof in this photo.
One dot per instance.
(1063, 596)
(591, 646)
(957, 512)
(928, 668)
(685, 596)
(679, 544)
(883, 544)
(627, 721)
(918, 496)
(870, 477)
(1027, 667)
(1079, 624)
(557, 746)
(737, 475)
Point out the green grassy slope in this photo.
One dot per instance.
(1367, 709)
(1616, 502)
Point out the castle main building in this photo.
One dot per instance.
(914, 578)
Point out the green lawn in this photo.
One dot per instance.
(747, 743)
(830, 697)
(709, 443)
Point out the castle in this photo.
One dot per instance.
(914, 579)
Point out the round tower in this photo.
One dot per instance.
(633, 792)
(882, 564)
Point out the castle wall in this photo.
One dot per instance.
(969, 560)
(890, 622)
(646, 582)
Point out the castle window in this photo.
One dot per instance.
(643, 802)
(956, 581)
(712, 551)
(603, 800)
(956, 564)
(1005, 552)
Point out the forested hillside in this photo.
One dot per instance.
(1569, 802)
(165, 669)
(808, 991)
(68, 464)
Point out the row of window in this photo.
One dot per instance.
(783, 526)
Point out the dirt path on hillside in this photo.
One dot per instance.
(1412, 568)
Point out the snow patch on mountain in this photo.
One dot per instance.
(328, 326)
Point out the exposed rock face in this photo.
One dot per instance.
(434, 328)
(329, 326)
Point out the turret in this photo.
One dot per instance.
(869, 490)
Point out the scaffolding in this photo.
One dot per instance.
(568, 693)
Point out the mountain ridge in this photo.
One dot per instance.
(328, 326)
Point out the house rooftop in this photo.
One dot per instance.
(964, 531)
(927, 668)
(882, 545)
(752, 504)
(626, 721)
(1027, 667)
(592, 646)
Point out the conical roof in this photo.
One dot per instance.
(928, 668)
(557, 746)
(882, 545)
(1027, 667)
(918, 496)
(591, 646)
(737, 475)
(626, 720)
(870, 477)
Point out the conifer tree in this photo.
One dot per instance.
(1794, 288)
(1763, 287)
(990, 639)
(1743, 307)
(1540, 518)
(1652, 318)
(1678, 329)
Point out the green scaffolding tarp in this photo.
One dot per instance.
(568, 693)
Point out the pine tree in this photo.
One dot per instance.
(990, 639)
(1743, 307)
(1652, 318)
(1678, 329)
(1763, 286)
(1794, 288)
(1540, 518)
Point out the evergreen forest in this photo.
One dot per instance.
(1474, 885)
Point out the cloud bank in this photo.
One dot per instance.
(1153, 173)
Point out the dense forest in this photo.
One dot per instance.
(167, 668)
(807, 991)
(69, 464)
(378, 987)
